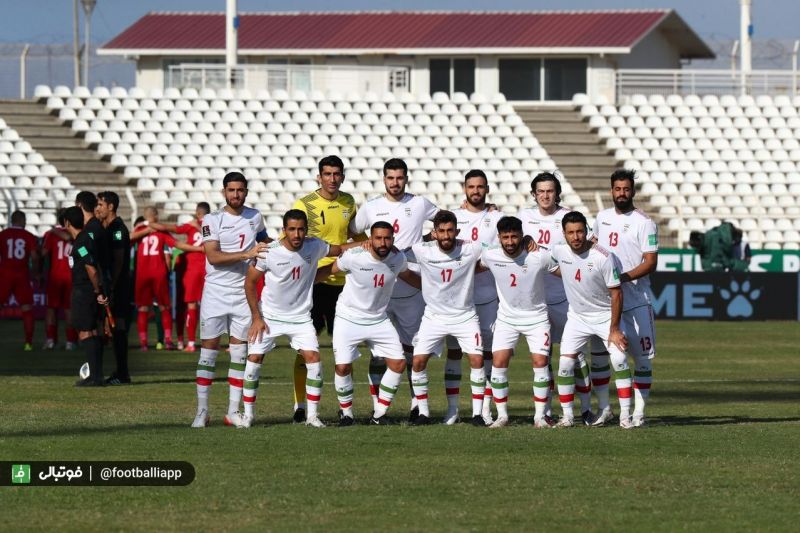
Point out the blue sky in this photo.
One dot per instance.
(50, 21)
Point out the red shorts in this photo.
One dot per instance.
(59, 293)
(150, 289)
(17, 284)
(193, 281)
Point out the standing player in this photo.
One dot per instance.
(329, 213)
(19, 251)
(447, 268)
(153, 264)
(56, 249)
(87, 294)
(194, 274)
(591, 280)
(543, 223)
(230, 239)
(361, 317)
(519, 277)
(119, 259)
(633, 237)
(289, 271)
(476, 223)
(406, 213)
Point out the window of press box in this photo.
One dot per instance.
(452, 76)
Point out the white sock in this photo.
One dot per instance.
(477, 380)
(252, 371)
(500, 390)
(206, 366)
(313, 388)
(388, 388)
(236, 376)
(419, 380)
(344, 391)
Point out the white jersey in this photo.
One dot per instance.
(368, 285)
(289, 278)
(546, 230)
(447, 279)
(520, 283)
(587, 278)
(480, 227)
(407, 216)
(235, 233)
(630, 236)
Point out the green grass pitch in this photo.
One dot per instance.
(721, 451)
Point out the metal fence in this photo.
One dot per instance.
(701, 82)
(307, 78)
(53, 65)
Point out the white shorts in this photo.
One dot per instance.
(224, 310)
(538, 336)
(301, 336)
(639, 324)
(557, 313)
(380, 338)
(432, 334)
(406, 314)
(487, 314)
(577, 333)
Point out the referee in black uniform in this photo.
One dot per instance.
(87, 295)
(119, 268)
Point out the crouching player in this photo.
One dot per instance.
(519, 277)
(289, 270)
(361, 317)
(591, 281)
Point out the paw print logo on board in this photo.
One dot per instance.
(740, 299)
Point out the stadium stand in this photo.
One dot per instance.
(28, 182)
(176, 145)
(703, 160)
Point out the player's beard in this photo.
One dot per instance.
(480, 202)
(622, 203)
(513, 250)
(382, 251)
(447, 245)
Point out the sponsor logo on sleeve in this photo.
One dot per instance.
(82, 251)
(652, 239)
(117, 235)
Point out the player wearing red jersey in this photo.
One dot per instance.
(195, 268)
(153, 262)
(56, 250)
(18, 251)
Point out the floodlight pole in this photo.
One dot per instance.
(76, 43)
(231, 41)
(23, 71)
(794, 67)
(746, 34)
(88, 7)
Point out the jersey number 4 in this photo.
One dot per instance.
(578, 275)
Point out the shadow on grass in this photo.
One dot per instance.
(754, 392)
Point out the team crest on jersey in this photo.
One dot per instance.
(625, 228)
(206, 231)
(589, 266)
(118, 235)
(408, 211)
(345, 213)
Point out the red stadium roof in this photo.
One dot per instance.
(401, 32)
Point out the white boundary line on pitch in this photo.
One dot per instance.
(221, 380)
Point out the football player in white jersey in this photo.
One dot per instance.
(476, 223)
(633, 237)
(543, 223)
(289, 270)
(407, 213)
(591, 281)
(231, 237)
(447, 268)
(361, 317)
(519, 277)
